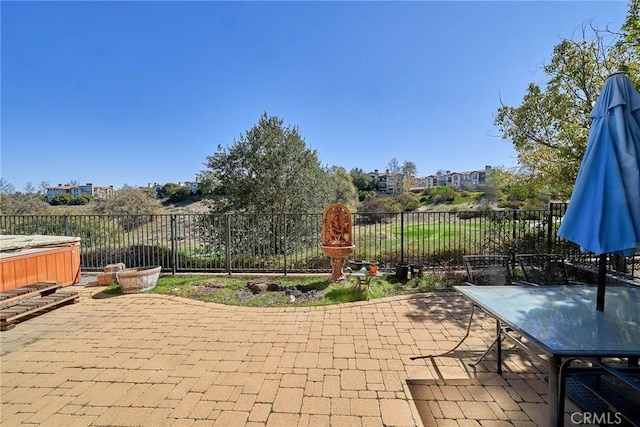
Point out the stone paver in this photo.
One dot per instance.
(140, 360)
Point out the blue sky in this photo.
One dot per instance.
(118, 93)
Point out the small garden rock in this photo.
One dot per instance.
(257, 286)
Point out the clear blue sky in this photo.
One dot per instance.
(137, 92)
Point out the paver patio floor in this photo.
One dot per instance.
(149, 360)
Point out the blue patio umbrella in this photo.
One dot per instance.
(604, 211)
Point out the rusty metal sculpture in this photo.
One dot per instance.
(337, 238)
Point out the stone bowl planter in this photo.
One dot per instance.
(140, 279)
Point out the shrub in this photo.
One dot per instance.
(377, 209)
(510, 204)
(469, 214)
(61, 199)
(438, 195)
(179, 194)
(83, 199)
(133, 207)
(174, 193)
(407, 202)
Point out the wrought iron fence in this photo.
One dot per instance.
(290, 242)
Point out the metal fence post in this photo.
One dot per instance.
(550, 248)
(227, 242)
(402, 237)
(174, 244)
(284, 226)
(514, 233)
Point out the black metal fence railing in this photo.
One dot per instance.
(290, 242)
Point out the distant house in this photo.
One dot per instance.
(157, 187)
(60, 189)
(193, 186)
(452, 179)
(387, 182)
(425, 182)
(103, 193)
(79, 190)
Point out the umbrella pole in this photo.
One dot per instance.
(602, 280)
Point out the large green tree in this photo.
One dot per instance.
(269, 169)
(630, 40)
(549, 130)
(361, 179)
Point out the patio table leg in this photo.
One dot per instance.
(498, 342)
(499, 348)
(555, 419)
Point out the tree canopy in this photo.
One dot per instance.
(341, 188)
(408, 171)
(630, 41)
(22, 204)
(142, 203)
(268, 169)
(361, 180)
(549, 130)
(393, 166)
(174, 192)
(6, 187)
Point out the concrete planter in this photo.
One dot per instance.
(134, 280)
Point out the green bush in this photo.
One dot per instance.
(61, 199)
(469, 214)
(378, 209)
(438, 195)
(175, 193)
(82, 199)
(510, 204)
(407, 202)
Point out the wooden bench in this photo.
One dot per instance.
(29, 301)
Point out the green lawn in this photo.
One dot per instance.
(231, 290)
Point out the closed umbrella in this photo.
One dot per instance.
(604, 211)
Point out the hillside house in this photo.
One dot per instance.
(88, 189)
(452, 179)
(387, 182)
(193, 186)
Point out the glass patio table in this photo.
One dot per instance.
(563, 322)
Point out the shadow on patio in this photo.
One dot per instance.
(474, 395)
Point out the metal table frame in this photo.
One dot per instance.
(563, 323)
